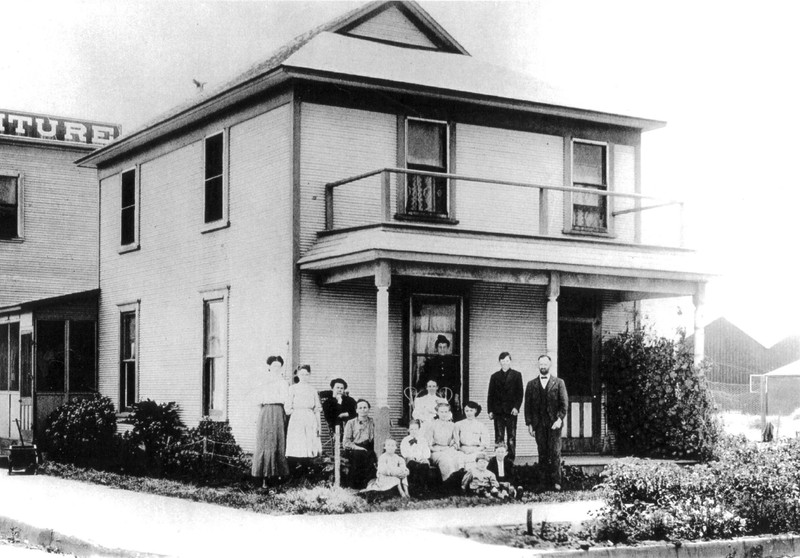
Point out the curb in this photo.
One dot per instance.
(54, 541)
(778, 546)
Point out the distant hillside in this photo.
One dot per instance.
(735, 355)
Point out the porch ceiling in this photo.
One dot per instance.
(416, 250)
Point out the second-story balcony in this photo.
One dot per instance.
(443, 224)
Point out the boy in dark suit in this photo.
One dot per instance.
(546, 405)
(504, 401)
(503, 469)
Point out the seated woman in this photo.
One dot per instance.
(472, 437)
(441, 438)
(425, 405)
(415, 450)
(392, 471)
(339, 407)
(358, 445)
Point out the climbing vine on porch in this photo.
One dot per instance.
(658, 402)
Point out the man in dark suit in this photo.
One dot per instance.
(545, 408)
(503, 403)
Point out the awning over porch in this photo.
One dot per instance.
(641, 271)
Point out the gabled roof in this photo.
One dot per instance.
(352, 48)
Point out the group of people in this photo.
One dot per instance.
(288, 425)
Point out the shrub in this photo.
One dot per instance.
(673, 415)
(155, 426)
(82, 432)
(320, 499)
(207, 453)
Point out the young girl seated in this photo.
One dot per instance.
(392, 471)
(479, 481)
(415, 450)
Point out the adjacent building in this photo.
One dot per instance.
(365, 190)
(48, 264)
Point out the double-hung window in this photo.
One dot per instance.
(128, 356)
(214, 184)
(10, 206)
(589, 172)
(215, 373)
(427, 143)
(129, 210)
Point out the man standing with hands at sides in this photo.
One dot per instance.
(545, 408)
(503, 403)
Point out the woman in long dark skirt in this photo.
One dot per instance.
(269, 457)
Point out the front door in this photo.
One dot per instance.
(578, 359)
(9, 379)
(435, 318)
(26, 385)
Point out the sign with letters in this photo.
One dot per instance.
(56, 128)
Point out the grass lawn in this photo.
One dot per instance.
(294, 497)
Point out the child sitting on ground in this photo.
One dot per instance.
(480, 481)
(503, 469)
(415, 450)
(392, 471)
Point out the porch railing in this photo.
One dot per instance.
(376, 198)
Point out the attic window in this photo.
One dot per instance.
(426, 150)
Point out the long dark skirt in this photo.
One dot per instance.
(269, 457)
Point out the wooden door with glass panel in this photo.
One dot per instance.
(432, 319)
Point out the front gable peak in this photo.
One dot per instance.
(402, 23)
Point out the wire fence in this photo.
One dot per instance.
(735, 398)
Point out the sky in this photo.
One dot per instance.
(722, 74)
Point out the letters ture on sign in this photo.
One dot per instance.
(56, 128)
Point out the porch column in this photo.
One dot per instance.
(699, 299)
(553, 291)
(383, 279)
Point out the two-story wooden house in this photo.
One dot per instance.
(366, 189)
(48, 264)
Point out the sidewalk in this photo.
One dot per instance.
(93, 520)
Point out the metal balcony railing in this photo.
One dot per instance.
(485, 204)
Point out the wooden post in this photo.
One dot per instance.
(328, 207)
(386, 201)
(337, 456)
(553, 292)
(383, 279)
(699, 329)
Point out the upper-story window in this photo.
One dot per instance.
(214, 196)
(589, 171)
(427, 144)
(10, 206)
(129, 210)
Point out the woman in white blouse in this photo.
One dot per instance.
(269, 457)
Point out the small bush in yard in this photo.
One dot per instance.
(321, 499)
(82, 432)
(155, 426)
(658, 401)
(207, 453)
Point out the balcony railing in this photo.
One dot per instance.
(491, 205)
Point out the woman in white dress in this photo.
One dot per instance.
(425, 405)
(472, 437)
(303, 406)
(441, 437)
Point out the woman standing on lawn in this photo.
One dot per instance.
(302, 438)
(269, 457)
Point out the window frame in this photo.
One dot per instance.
(569, 198)
(403, 212)
(134, 244)
(20, 205)
(125, 310)
(220, 295)
(224, 219)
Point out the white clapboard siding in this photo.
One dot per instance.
(624, 181)
(177, 263)
(505, 318)
(392, 25)
(507, 155)
(338, 143)
(58, 254)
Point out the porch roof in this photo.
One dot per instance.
(26, 305)
(421, 250)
